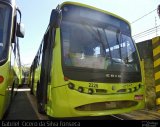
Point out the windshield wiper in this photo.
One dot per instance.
(119, 34)
(108, 46)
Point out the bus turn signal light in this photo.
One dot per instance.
(1, 79)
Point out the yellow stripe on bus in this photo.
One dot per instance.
(156, 39)
(156, 50)
(157, 75)
(158, 101)
(157, 62)
(158, 88)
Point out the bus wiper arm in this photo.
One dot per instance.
(118, 33)
(108, 46)
(101, 41)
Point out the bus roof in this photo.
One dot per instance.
(94, 8)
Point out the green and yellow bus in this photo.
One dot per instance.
(10, 65)
(87, 64)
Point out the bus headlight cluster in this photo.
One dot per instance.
(80, 89)
(134, 89)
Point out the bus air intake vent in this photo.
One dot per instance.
(100, 106)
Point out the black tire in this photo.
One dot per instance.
(40, 106)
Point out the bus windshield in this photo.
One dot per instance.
(98, 48)
(98, 44)
(4, 28)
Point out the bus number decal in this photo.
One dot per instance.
(93, 85)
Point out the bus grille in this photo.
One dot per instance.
(100, 106)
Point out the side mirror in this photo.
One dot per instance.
(55, 18)
(20, 30)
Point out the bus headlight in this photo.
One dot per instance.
(71, 85)
(80, 89)
(129, 90)
(90, 91)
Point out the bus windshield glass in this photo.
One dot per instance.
(102, 43)
(5, 12)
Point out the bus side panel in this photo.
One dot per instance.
(5, 87)
(57, 79)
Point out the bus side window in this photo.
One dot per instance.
(1, 27)
(14, 49)
(1, 36)
(41, 50)
(51, 48)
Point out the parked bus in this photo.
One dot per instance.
(10, 65)
(87, 64)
